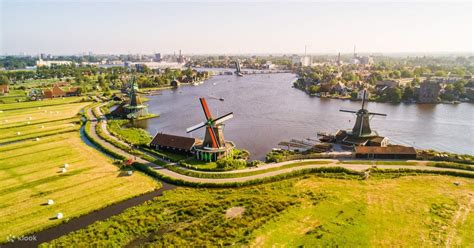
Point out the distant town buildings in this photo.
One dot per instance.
(429, 92)
(362, 60)
(303, 61)
(157, 57)
(50, 63)
(306, 60)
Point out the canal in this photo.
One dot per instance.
(268, 110)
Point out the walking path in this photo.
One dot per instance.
(166, 172)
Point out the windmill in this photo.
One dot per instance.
(238, 71)
(134, 108)
(214, 138)
(134, 96)
(362, 127)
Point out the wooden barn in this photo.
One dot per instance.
(174, 143)
(388, 152)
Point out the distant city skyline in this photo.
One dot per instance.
(145, 27)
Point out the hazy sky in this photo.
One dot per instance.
(71, 27)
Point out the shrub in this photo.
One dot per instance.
(227, 164)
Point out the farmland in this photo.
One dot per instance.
(30, 168)
(307, 211)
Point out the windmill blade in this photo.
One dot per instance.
(224, 118)
(348, 111)
(207, 113)
(195, 127)
(215, 144)
(370, 113)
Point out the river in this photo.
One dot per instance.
(268, 110)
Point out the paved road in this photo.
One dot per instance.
(172, 174)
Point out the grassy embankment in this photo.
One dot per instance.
(306, 211)
(30, 169)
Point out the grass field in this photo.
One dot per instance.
(310, 211)
(30, 170)
(47, 102)
(29, 123)
(13, 96)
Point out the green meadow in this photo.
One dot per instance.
(309, 211)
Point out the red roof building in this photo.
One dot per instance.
(388, 152)
(4, 89)
(55, 92)
(173, 142)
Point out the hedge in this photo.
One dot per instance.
(403, 172)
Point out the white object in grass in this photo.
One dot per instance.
(42, 126)
(59, 216)
(63, 170)
(37, 139)
(18, 133)
(66, 165)
(50, 202)
(129, 173)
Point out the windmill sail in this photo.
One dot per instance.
(214, 137)
(362, 125)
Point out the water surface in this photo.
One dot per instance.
(268, 110)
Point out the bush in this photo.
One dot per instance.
(452, 165)
(445, 156)
(228, 164)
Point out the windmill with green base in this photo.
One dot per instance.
(214, 146)
(135, 108)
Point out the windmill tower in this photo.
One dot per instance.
(361, 127)
(238, 70)
(214, 146)
(135, 109)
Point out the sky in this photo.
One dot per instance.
(122, 27)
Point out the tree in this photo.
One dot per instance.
(392, 95)
(395, 74)
(458, 88)
(313, 89)
(440, 73)
(4, 79)
(407, 74)
(408, 93)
